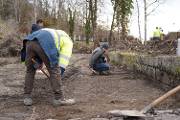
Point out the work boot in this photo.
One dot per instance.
(63, 102)
(28, 100)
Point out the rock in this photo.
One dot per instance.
(99, 119)
(177, 111)
(130, 113)
(117, 118)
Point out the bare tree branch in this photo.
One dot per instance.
(153, 3)
(153, 10)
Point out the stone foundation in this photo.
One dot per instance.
(162, 70)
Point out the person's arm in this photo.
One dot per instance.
(107, 56)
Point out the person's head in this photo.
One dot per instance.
(105, 46)
(40, 22)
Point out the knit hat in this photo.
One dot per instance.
(105, 46)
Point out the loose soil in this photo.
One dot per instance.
(95, 95)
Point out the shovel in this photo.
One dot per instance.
(135, 113)
(93, 71)
(41, 69)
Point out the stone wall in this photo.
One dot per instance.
(162, 70)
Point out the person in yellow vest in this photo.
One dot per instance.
(162, 34)
(157, 34)
(54, 49)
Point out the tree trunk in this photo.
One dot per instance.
(15, 10)
(87, 24)
(93, 13)
(35, 10)
(112, 27)
(95, 25)
(71, 22)
(2, 8)
(123, 32)
(139, 25)
(145, 21)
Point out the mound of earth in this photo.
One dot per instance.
(10, 45)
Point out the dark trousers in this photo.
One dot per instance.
(33, 49)
(156, 39)
(62, 71)
(101, 67)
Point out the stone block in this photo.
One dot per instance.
(161, 69)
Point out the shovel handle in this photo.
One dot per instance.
(93, 71)
(160, 99)
(42, 69)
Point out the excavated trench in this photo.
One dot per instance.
(95, 95)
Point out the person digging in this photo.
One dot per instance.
(53, 48)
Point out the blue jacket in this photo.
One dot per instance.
(47, 43)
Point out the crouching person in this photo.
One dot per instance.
(53, 48)
(99, 60)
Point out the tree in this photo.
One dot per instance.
(87, 24)
(35, 10)
(46, 8)
(139, 25)
(93, 17)
(150, 6)
(114, 3)
(122, 11)
(71, 21)
(145, 21)
(6, 10)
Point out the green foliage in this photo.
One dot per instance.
(123, 9)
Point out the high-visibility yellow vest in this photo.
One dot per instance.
(157, 33)
(64, 45)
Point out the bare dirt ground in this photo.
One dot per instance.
(95, 95)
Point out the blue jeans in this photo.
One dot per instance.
(101, 67)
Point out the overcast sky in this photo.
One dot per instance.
(166, 16)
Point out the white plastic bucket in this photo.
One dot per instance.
(178, 48)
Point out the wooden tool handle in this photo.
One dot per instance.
(160, 99)
(42, 69)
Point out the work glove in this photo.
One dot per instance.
(37, 64)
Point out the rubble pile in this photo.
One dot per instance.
(163, 47)
(10, 45)
(166, 47)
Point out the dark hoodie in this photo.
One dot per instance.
(96, 57)
(35, 27)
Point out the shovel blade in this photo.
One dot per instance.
(127, 113)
